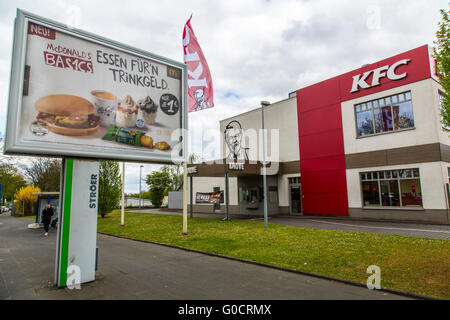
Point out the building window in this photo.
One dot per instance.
(387, 114)
(391, 188)
(295, 180)
(273, 194)
(217, 204)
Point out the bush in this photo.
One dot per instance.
(110, 185)
(25, 197)
(157, 196)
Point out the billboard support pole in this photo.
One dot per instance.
(77, 234)
(263, 104)
(122, 211)
(140, 188)
(185, 231)
(227, 198)
(191, 208)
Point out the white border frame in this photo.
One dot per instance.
(13, 146)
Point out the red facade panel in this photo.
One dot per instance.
(323, 144)
(322, 159)
(324, 164)
(326, 203)
(321, 119)
(319, 95)
(314, 181)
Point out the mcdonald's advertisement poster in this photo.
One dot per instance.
(85, 94)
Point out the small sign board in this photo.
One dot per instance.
(210, 197)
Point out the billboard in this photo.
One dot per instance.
(76, 94)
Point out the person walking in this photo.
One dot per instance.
(47, 215)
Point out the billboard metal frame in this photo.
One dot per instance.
(12, 144)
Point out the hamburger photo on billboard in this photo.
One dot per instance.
(67, 115)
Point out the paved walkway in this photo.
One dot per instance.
(135, 270)
(395, 228)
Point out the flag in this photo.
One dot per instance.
(200, 89)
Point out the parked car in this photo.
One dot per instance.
(13, 209)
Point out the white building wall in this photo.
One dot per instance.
(444, 136)
(426, 119)
(445, 172)
(432, 182)
(207, 184)
(281, 115)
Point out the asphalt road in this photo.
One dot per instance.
(135, 270)
(395, 228)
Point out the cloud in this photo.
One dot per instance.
(256, 50)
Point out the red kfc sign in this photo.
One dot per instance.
(359, 81)
(407, 67)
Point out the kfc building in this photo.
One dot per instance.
(364, 144)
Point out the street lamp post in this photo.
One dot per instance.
(140, 189)
(266, 222)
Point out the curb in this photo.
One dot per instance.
(306, 217)
(261, 264)
(318, 217)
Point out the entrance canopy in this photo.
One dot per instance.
(219, 168)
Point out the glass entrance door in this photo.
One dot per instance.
(296, 200)
(250, 197)
(295, 196)
(217, 204)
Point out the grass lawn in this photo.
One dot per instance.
(416, 265)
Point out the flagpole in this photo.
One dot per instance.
(266, 223)
(199, 92)
(202, 145)
(185, 231)
(122, 211)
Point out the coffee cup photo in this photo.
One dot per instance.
(105, 106)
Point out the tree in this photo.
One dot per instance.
(110, 186)
(11, 181)
(442, 55)
(25, 197)
(175, 176)
(168, 178)
(193, 158)
(44, 173)
(157, 196)
(176, 173)
(160, 183)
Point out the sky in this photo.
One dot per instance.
(256, 50)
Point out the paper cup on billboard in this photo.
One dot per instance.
(148, 110)
(105, 106)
